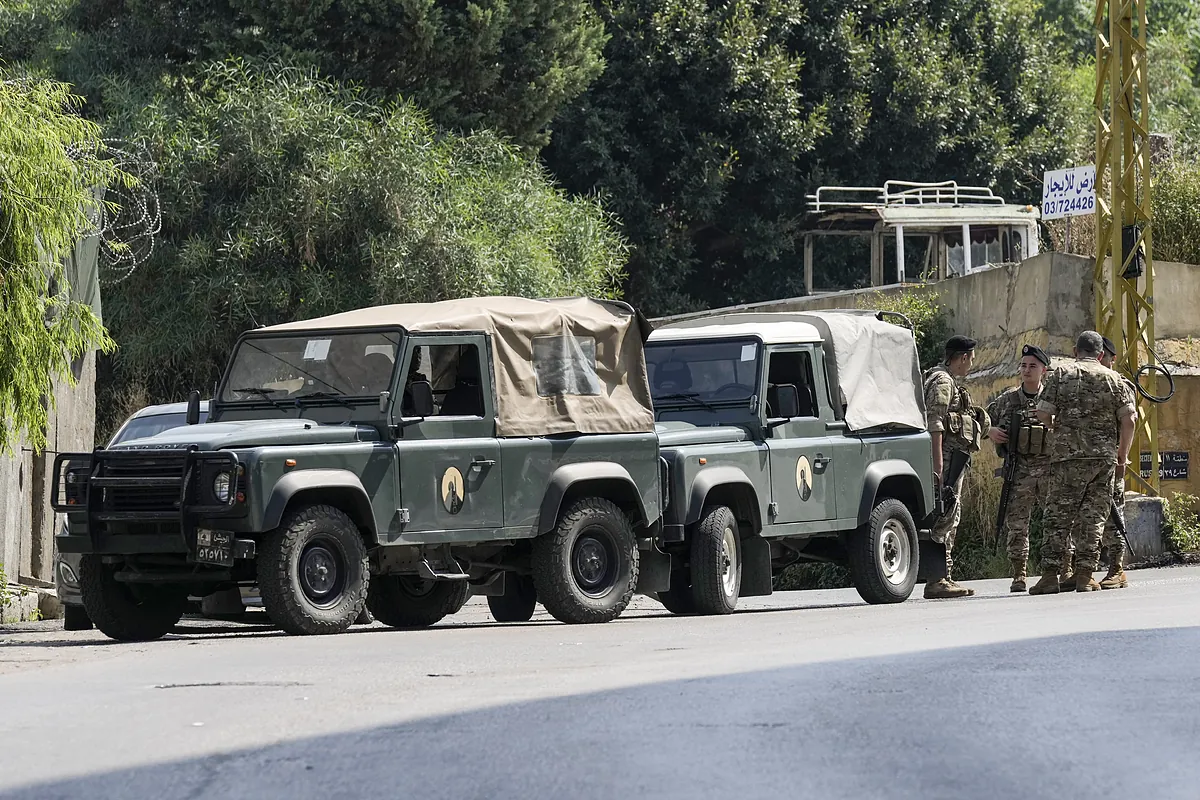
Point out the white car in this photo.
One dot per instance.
(149, 421)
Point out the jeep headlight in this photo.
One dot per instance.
(222, 485)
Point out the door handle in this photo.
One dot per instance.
(481, 463)
(820, 462)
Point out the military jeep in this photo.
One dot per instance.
(790, 438)
(401, 457)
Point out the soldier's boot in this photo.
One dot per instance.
(945, 588)
(1018, 582)
(1115, 579)
(1084, 582)
(1067, 576)
(1047, 584)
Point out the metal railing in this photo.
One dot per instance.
(902, 193)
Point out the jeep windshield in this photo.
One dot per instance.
(703, 373)
(323, 367)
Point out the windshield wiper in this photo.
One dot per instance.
(693, 397)
(323, 396)
(265, 394)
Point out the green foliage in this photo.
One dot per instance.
(505, 65)
(286, 197)
(708, 145)
(690, 131)
(1175, 204)
(5, 596)
(930, 322)
(51, 165)
(1182, 524)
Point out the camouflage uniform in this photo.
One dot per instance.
(1088, 401)
(1111, 540)
(1033, 466)
(948, 409)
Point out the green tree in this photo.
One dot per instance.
(712, 122)
(505, 65)
(285, 196)
(51, 166)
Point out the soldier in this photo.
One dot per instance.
(956, 427)
(1032, 448)
(1111, 542)
(1090, 410)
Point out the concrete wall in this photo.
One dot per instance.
(26, 521)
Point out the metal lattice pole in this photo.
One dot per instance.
(1123, 281)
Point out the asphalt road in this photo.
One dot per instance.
(800, 695)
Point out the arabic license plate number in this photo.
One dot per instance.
(214, 547)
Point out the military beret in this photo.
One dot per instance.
(960, 344)
(1036, 352)
(1109, 347)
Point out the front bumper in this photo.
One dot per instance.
(140, 501)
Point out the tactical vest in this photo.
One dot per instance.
(1033, 438)
(963, 431)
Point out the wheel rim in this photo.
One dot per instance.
(729, 562)
(894, 553)
(322, 573)
(594, 563)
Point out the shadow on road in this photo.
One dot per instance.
(1107, 714)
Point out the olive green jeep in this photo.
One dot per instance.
(401, 457)
(790, 438)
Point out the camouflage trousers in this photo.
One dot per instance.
(1028, 491)
(1110, 541)
(1077, 491)
(946, 527)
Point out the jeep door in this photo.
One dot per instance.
(800, 448)
(449, 463)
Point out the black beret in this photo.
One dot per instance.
(960, 344)
(1109, 347)
(1036, 352)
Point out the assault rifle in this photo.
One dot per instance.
(1008, 471)
(947, 497)
(1119, 523)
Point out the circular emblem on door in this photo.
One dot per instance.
(804, 478)
(452, 490)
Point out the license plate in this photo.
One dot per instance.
(214, 547)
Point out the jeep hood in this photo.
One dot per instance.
(676, 434)
(251, 433)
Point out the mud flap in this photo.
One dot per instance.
(756, 567)
(654, 571)
(931, 561)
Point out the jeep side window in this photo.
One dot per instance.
(457, 380)
(792, 368)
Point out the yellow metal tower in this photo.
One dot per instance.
(1124, 272)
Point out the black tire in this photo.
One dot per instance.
(518, 601)
(75, 618)
(585, 570)
(124, 612)
(406, 601)
(312, 571)
(716, 560)
(883, 554)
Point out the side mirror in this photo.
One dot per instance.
(422, 398)
(193, 408)
(787, 401)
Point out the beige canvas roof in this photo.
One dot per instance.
(570, 326)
